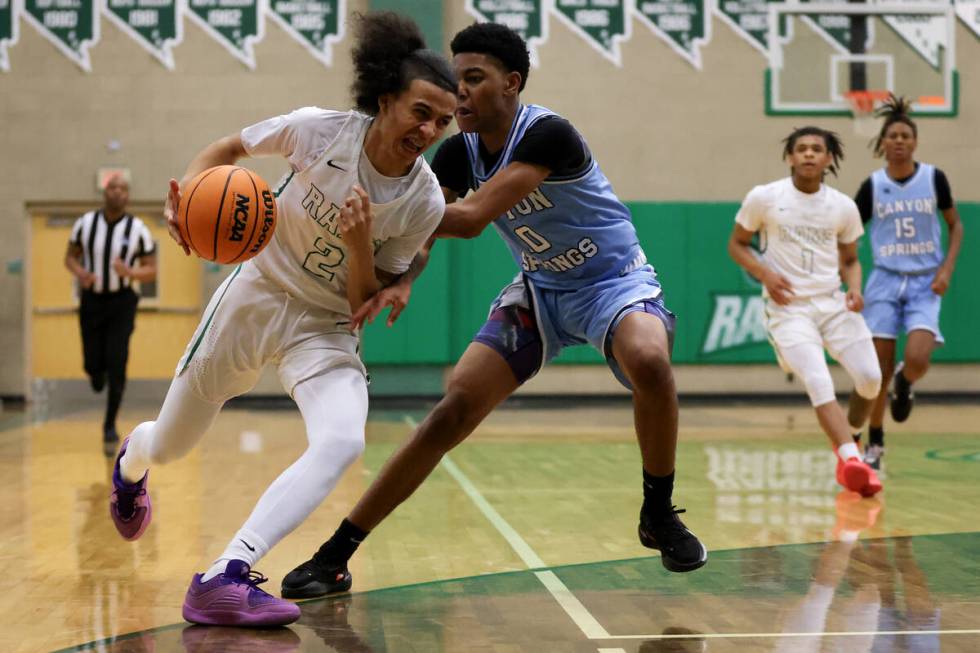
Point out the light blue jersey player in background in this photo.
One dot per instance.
(584, 279)
(899, 205)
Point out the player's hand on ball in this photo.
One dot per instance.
(940, 283)
(355, 218)
(170, 213)
(779, 287)
(854, 300)
(395, 296)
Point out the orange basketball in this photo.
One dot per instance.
(227, 214)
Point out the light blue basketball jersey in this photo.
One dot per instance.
(905, 230)
(568, 232)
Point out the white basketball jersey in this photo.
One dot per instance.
(307, 256)
(799, 232)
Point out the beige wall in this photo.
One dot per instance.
(661, 129)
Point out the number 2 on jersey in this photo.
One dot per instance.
(326, 256)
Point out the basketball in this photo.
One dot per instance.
(227, 214)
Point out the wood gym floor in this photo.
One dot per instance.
(523, 540)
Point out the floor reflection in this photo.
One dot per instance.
(792, 559)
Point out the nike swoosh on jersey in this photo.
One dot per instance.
(334, 165)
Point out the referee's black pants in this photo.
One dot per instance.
(107, 321)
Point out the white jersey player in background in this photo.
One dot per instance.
(808, 236)
(358, 206)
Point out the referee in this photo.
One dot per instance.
(108, 249)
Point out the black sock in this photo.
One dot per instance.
(900, 378)
(876, 435)
(342, 544)
(657, 493)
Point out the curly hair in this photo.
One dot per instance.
(894, 110)
(389, 54)
(831, 139)
(498, 41)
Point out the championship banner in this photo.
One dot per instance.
(154, 24)
(836, 29)
(236, 24)
(315, 24)
(526, 17)
(749, 19)
(602, 23)
(969, 13)
(8, 31)
(925, 34)
(685, 25)
(71, 25)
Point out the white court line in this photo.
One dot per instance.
(569, 603)
(572, 606)
(853, 633)
(612, 650)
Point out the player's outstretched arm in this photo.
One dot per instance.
(740, 249)
(224, 151)
(395, 293)
(468, 218)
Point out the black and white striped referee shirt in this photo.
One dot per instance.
(101, 242)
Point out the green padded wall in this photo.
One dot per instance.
(687, 243)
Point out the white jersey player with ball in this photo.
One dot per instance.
(808, 235)
(358, 205)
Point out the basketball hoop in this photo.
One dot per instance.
(863, 105)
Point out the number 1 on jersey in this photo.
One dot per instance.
(808, 260)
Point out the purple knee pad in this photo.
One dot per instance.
(512, 332)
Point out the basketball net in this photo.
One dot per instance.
(863, 105)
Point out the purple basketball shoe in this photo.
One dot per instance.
(233, 598)
(129, 504)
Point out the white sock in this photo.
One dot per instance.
(134, 464)
(848, 451)
(217, 568)
(246, 546)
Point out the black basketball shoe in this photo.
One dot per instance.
(316, 577)
(680, 549)
(902, 396)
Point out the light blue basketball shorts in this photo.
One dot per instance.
(895, 302)
(554, 319)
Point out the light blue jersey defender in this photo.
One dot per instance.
(907, 249)
(569, 231)
(583, 269)
(905, 231)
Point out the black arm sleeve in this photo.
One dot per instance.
(864, 200)
(553, 143)
(451, 165)
(944, 194)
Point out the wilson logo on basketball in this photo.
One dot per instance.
(227, 214)
(268, 220)
(239, 218)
